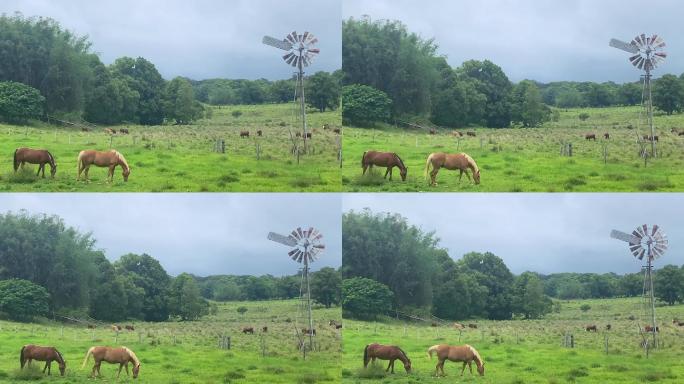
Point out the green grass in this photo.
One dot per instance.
(528, 159)
(187, 352)
(529, 351)
(181, 158)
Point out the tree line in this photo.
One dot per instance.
(48, 268)
(389, 264)
(392, 72)
(45, 69)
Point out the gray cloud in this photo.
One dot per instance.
(536, 39)
(545, 233)
(198, 39)
(203, 234)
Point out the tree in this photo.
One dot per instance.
(527, 106)
(364, 298)
(322, 91)
(179, 102)
(493, 83)
(22, 300)
(529, 299)
(631, 284)
(491, 272)
(630, 94)
(364, 105)
(668, 94)
(142, 76)
(669, 284)
(146, 273)
(185, 300)
(326, 286)
(457, 101)
(20, 102)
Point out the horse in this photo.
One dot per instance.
(130, 328)
(336, 130)
(465, 353)
(264, 329)
(308, 135)
(648, 328)
(608, 327)
(473, 326)
(35, 156)
(432, 131)
(109, 159)
(307, 331)
(247, 330)
(109, 131)
(32, 352)
(590, 136)
(460, 161)
(92, 326)
(458, 326)
(385, 352)
(259, 132)
(244, 133)
(124, 131)
(606, 136)
(591, 328)
(471, 133)
(384, 159)
(121, 355)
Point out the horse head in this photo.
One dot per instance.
(476, 176)
(53, 170)
(62, 367)
(125, 173)
(480, 369)
(407, 365)
(403, 173)
(136, 370)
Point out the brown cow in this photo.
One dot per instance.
(130, 328)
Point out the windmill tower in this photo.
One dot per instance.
(652, 243)
(306, 246)
(300, 52)
(647, 54)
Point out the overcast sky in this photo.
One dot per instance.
(544, 233)
(204, 234)
(539, 39)
(199, 39)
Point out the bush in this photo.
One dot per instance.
(22, 300)
(19, 102)
(585, 307)
(583, 116)
(364, 105)
(364, 298)
(242, 310)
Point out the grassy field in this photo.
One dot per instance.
(530, 351)
(528, 159)
(187, 352)
(181, 158)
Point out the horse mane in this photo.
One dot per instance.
(477, 354)
(432, 349)
(59, 354)
(400, 161)
(471, 162)
(121, 158)
(52, 159)
(132, 355)
(403, 353)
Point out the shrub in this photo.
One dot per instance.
(364, 105)
(19, 102)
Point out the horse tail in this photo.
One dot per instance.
(363, 158)
(21, 357)
(432, 349)
(85, 361)
(427, 164)
(365, 356)
(16, 166)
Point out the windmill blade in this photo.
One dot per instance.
(293, 253)
(315, 51)
(627, 47)
(286, 240)
(291, 58)
(640, 254)
(277, 43)
(626, 237)
(300, 255)
(292, 37)
(319, 246)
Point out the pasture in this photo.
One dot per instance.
(529, 351)
(182, 158)
(529, 159)
(188, 352)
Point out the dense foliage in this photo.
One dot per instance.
(19, 102)
(364, 105)
(22, 300)
(386, 56)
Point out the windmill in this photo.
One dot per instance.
(306, 246)
(300, 52)
(649, 242)
(647, 55)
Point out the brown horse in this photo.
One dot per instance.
(384, 159)
(109, 159)
(249, 330)
(460, 161)
(244, 133)
(464, 353)
(471, 133)
(606, 136)
(122, 356)
(35, 156)
(591, 328)
(590, 136)
(473, 326)
(432, 131)
(385, 352)
(308, 331)
(47, 354)
(648, 328)
(336, 130)
(259, 132)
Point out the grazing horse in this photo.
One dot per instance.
(259, 132)
(130, 328)
(308, 135)
(124, 131)
(460, 161)
(590, 136)
(591, 328)
(109, 159)
(606, 135)
(244, 133)
(384, 159)
(32, 352)
(465, 353)
(471, 133)
(92, 326)
(122, 356)
(473, 326)
(338, 326)
(385, 352)
(247, 330)
(648, 328)
(264, 329)
(458, 326)
(433, 131)
(308, 331)
(35, 156)
(336, 130)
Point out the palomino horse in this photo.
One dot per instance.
(47, 354)
(385, 352)
(35, 156)
(122, 356)
(464, 353)
(109, 159)
(383, 159)
(460, 161)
